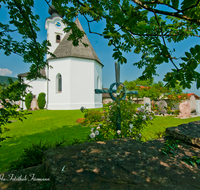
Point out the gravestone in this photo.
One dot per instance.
(34, 103)
(192, 103)
(185, 110)
(197, 107)
(161, 106)
(120, 94)
(148, 101)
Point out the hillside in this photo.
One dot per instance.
(4, 79)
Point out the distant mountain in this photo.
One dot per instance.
(4, 79)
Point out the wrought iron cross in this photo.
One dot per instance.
(120, 96)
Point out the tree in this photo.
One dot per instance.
(141, 26)
(41, 100)
(8, 95)
(28, 100)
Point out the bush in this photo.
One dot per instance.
(41, 100)
(93, 116)
(28, 100)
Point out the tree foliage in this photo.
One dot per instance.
(144, 27)
(41, 100)
(28, 100)
(8, 95)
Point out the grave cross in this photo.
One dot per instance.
(120, 96)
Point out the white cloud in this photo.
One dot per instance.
(5, 72)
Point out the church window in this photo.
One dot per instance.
(57, 38)
(59, 83)
(98, 82)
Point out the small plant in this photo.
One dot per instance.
(32, 156)
(194, 160)
(193, 111)
(28, 100)
(41, 100)
(168, 111)
(35, 108)
(170, 146)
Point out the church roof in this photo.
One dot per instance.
(42, 71)
(67, 49)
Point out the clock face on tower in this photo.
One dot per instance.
(58, 24)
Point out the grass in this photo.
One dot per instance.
(55, 125)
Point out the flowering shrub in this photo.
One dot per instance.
(133, 120)
(92, 116)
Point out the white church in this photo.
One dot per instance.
(76, 72)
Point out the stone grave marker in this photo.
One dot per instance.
(192, 103)
(148, 101)
(185, 110)
(197, 107)
(161, 106)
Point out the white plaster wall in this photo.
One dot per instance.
(82, 83)
(98, 73)
(59, 100)
(52, 31)
(38, 86)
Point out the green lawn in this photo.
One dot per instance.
(56, 125)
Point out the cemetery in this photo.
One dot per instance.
(69, 133)
(152, 158)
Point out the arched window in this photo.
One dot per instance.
(58, 39)
(98, 82)
(59, 83)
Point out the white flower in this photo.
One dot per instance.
(118, 132)
(92, 135)
(130, 130)
(147, 112)
(151, 117)
(142, 107)
(98, 127)
(131, 126)
(152, 112)
(92, 130)
(144, 117)
(96, 132)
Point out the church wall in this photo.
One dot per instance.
(59, 100)
(98, 84)
(38, 86)
(82, 83)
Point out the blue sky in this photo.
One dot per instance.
(13, 65)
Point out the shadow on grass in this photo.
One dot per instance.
(12, 149)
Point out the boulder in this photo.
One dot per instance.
(122, 164)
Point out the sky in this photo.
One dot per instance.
(13, 65)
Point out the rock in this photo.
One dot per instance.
(185, 110)
(122, 164)
(189, 133)
(161, 106)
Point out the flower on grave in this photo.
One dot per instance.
(144, 117)
(92, 135)
(92, 129)
(96, 132)
(118, 132)
(147, 104)
(131, 126)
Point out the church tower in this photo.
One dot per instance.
(54, 27)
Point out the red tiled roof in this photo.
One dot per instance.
(190, 94)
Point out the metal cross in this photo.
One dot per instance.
(120, 96)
